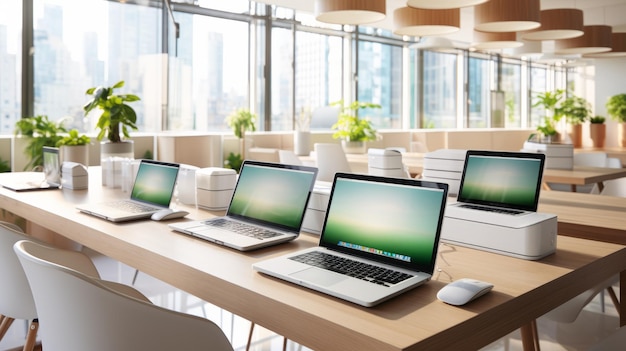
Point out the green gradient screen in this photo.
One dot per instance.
(396, 221)
(512, 182)
(276, 195)
(154, 183)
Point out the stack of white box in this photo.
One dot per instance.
(214, 187)
(445, 166)
(386, 163)
(558, 156)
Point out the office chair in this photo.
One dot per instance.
(614, 187)
(330, 159)
(288, 157)
(82, 312)
(17, 301)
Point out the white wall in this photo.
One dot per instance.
(610, 79)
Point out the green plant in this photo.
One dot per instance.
(575, 109)
(350, 127)
(597, 119)
(233, 161)
(240, 122)
(73, 138)
(547, 128)
(4, 166)
(42, 132)
(616, 107)
(117, 116)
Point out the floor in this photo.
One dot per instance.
(591, 325)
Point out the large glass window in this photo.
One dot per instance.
(282, 79)
(74, 52)
(478, 92)
(209, 77)
(511, 84)
(438, 90)
(380, 82)
(538, 84)
(10, 76)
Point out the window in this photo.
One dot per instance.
(511, 84)
(478, 92)
(10, 75)
(74, 52)
(538, 84)
(438, 90)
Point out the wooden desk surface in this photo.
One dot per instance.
(582, 175)
(588, 216)
(524, 290)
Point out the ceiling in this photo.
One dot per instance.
(607, 12)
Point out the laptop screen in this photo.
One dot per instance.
(155, 182)
(273, 193)
(51, 165)
(391, 220)
(502, 179)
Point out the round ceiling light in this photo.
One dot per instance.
(596, 39)
(488, 41)
(618, 47)
(557, 24)
(350, 11)
(443, 4)
(421, 22)
(507, 16)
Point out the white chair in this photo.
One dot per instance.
(615, 187)
(85, 313)
(386, 163)
(16, 301)
(330, 159)
(589, 159)
(288, 157)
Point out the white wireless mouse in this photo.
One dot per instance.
(168, 213)
(462, 291)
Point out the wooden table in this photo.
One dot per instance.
(416, 320)
(582, 175)
(587, 216)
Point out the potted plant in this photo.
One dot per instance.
(550, 102)
(616, 108)
(240, 122)
(576, 111)
(352, 130)
(597, 131)
(40, 131)
(116, 119)
(73, 147)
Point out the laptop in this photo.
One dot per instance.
(500, 182)
(49, 179)
(267, 207)
(151, 192)
(389, 226)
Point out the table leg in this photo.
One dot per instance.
(600, 186)
(622, 296)
(530, 336)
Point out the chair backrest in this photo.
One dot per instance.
(289, 157)
(16, 300)
(591, 159)
(330, 159)
(84, 313)
(386, 163)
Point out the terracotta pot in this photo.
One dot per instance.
(75, 153)
(597, 132)
(576, 134)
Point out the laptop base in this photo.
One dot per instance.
(531, 236)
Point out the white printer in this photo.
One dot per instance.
(444, 166)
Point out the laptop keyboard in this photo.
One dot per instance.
(352, 268)
(242, 228)
(132, 207)
(492, 209)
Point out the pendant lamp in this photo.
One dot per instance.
(353, 12)
(443, 4)
(421, 22)
(507, 15)
(618, 47)
(596, 39)
(557, 24)
(488, 41)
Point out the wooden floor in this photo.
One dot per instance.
(591, 325)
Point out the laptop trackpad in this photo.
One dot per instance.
(318, 276)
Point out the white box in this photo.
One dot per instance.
(531, 236)
(214, 187)
(316, 209)
(558, 156)
(445, 166)
(74, 176)
(385, 162)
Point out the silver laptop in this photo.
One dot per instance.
(267, 207)
(50, 178)
(500, 182)
(380, 238)
(152, 191)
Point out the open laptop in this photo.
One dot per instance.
(267, 207)
(500, 182)
(50, 178)
(151, 192)
(392, 225)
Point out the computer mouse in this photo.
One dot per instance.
(168, 213)
(462, 291)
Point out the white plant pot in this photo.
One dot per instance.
(353, 147)
(302, 143)
(112, 159)
(75, 153)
